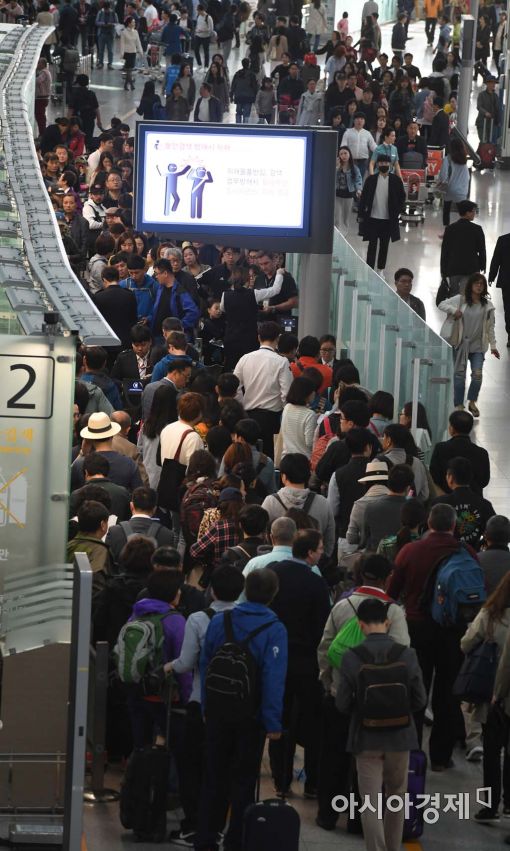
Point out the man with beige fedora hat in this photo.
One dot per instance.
(98, 436)
(376, 476)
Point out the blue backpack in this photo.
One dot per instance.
(171, 76)
(158, 112)
(459, 590)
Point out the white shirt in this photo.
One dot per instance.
(360, 143)
(203, 110)
(266, 378)
(380, 209)
(204, 26)
(171, 437)
(93, 162)
(150, 14)
(298, 428)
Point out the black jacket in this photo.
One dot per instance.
(463, 249)
(396, 199)
(302, 605)
(440, 130)
(119, 308)
(460, 446)
(337, 455)
(500, 263)
(473, 511)
(215, 110)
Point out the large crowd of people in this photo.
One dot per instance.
(233, 482)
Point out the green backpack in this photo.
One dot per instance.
(350, 635)
(139, 647)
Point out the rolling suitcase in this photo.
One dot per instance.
(487, 149)
(413, 826)
(144, 790)
(271, 825)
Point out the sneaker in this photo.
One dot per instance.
(486, 814)
(473, 409)
(381, 274)
(183, 838)
(474, 754)
(459, 407)
(110, 67)
(99, 65)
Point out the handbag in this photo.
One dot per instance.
(452, 329)
(476, 678)
(172, 477)
(443, 292)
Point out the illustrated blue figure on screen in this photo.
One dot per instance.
(171, 186)
(200, 177)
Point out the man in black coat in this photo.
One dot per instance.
(143, 522)
(118, 307)
(132, 368)
(463, 249)
(500, 272)
(302, 604)
(380, 205)
(440, 128)
(460, 446)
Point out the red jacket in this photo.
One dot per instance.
(325, 371)
(413, 566)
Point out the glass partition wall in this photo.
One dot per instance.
(392, 347)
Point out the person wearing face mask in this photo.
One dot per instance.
(382, 199)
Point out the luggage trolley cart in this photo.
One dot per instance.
(416, 196)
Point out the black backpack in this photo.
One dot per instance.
(232, 680)
(383, 690)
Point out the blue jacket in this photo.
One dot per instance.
(354, 184)
(107, 385)
(161, 369)
(144, 295)
(269, 649)
(182, 307)
(171, 38)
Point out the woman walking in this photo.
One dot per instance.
(317, 23)
(473, 333)
(454, 176)
(348, 187)
(130, 46)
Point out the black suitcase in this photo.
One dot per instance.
(143, 794)
(271, 825)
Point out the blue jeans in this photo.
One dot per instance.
(243, 112)
(105, 40)
(476, 360)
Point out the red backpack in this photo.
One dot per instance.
(321, 444)
(196, 500)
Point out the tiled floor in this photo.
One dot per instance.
(419, 248)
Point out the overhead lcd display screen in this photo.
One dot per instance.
(216, 180)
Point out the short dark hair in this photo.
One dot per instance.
(461, 470)
(96, 464)
(400, 477)
(357, 439)
(136, 556)
(381, 403)
(164, 584)
(253, 519)
(201, 464)
(309, 347)
(104, 244)
(178, 365)
(227, 582)
(135, 261)
(140, 334)
(497, 530)
(461, 422)
(442, 517)
(465, 206)
(383, 158)
(163, 265)
(249, 430)
(398, 434)
(96, 356)
(218, 440)
(144, 499)
(305, 540)
(403, 271)
(70, 178)
(375, 566)
(110, 273)
(228, 383)
(372, 611)
(231, 412)
(269, 331)
(300, 390)
(261, 586)
(296, 467)
(287, 342)
(166, 557)
(357, 412)
(90, 516)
